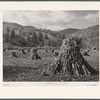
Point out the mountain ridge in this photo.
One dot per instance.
(90, 35)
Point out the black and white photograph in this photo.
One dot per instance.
(50, 45)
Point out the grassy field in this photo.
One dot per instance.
(24, 69)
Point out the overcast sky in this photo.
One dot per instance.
(54, 20)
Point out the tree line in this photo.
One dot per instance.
(31, 39)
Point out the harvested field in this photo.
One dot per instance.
(24, 69)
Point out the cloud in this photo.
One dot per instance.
(55, 20)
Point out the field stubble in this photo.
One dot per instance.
(24, 69)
